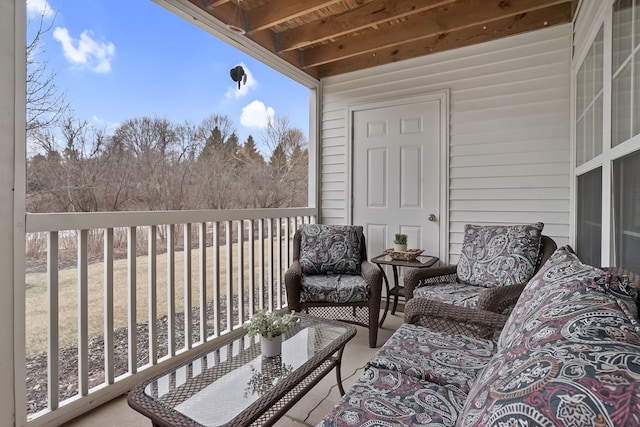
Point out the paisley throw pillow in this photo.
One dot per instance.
(499, 255)
(330, 249)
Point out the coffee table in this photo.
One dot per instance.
(232, 384)
(422, 261)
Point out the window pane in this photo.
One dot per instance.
(589, 233)
(580, 85)
(627, 211)
(636, 23)
(622, 35)
(636, 94)
(598, 47)
(597, 127)
(588, 135)
(580, 156)
(589, 85)
(621, 106)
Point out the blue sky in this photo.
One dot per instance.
(120, 59)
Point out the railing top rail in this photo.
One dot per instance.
(36, 222)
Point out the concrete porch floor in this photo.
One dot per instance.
(307, 412)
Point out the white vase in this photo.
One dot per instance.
(399, 248)
(271, 347)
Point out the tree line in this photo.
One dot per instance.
(151, 163)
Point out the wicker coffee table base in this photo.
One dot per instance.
(268, 409)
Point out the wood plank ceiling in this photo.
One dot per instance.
(330, 37)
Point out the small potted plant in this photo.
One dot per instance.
(400, 243)
(269, 326)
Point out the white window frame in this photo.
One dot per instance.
(596, 14)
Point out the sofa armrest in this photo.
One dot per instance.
(500, 298)
(413, 276)
(442, 317)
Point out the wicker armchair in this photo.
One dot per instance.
(442, 317)
(336, 300)
(496, 299)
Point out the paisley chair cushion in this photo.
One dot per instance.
(334, 288)
(499, 255)
(330, 249)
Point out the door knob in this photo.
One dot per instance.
(431, 217)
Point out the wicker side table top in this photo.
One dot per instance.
(232, 384)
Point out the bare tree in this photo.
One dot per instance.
(67, 176)
(153, 145)
(45, 102)
(287, 162)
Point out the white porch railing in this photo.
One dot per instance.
(232, 263)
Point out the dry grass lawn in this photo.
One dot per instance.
(37, 294)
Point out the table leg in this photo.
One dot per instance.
(386, 284)
(338, 371)
(396, 290)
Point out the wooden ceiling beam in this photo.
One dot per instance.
(446, 19)
(227, 13)
(371, 14)
(521, 23)
(276, 12)
(212, 4)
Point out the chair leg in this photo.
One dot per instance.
(374, 316)
(373, 335)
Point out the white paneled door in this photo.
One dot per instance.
(396, 174)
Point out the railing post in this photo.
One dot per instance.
(188, 318)
(109, 360)
(278, 281)
(252, 269)
(53, 350)
(270, 264)
(171, 291)
(152, 292)
(240, 264)
(229, 272)
(83, 314)
(203, 280)
(133, 323)
(216, 277)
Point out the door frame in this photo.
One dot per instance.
(443, 97)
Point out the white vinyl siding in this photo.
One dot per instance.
(509, 153)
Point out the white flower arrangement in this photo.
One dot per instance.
(269, 324)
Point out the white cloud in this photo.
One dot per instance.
(37, 8)
(234, 92)
(256, 115)
(85, 52)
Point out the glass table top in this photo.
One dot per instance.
(217, 386)
(420, 261)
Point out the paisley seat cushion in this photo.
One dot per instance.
(436, 357)
(569, 355)
(499, 255)
(459, 294)
(389, 398)
(334, 288)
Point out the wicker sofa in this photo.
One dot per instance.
(568, 355)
